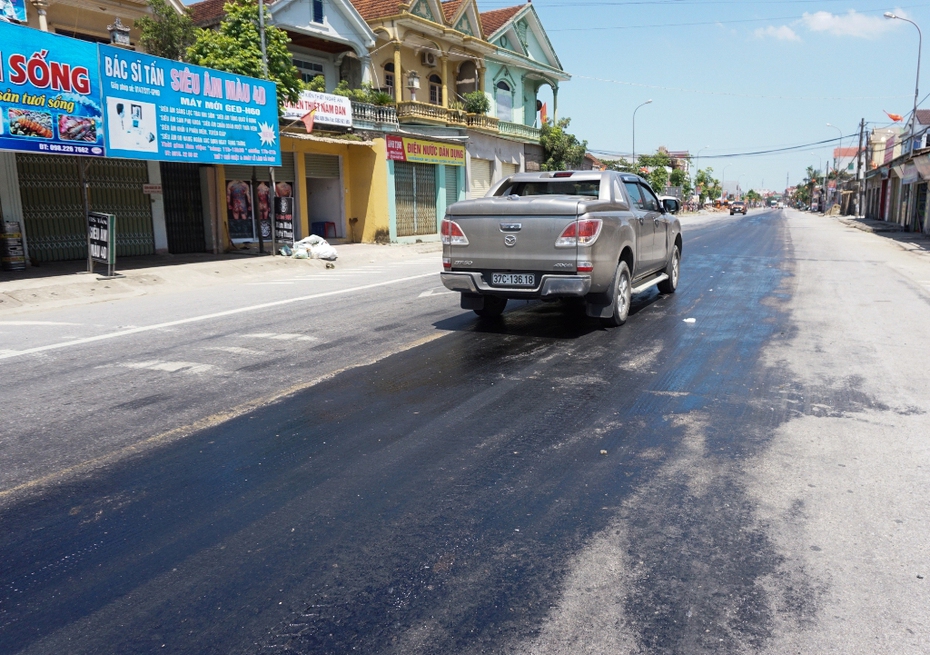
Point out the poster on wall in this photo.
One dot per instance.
(284, 211)
(50, 94)
(402, 148)
(239, 209)
(265, 201)
(165, 110)
(13, 10)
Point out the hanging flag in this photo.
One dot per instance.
(308, 119)
(543, 114)
(897, 118)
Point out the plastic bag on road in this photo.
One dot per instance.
(316, 247)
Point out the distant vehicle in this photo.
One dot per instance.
(738, 207)
(594, 236)
(780, 205)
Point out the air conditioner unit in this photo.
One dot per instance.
(429, 59)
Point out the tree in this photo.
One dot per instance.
(680, 178)
(236, 48)
(709, 187)
(166, 33)
(561, 149)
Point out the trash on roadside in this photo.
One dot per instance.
(314, 247)
(286, 250)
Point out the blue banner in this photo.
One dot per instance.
(13, 10)
(49, 93)
(170, 111)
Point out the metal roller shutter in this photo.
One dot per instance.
(509, 169)
(452, 184)
(415, 196)
(322, 165)
(480, 177)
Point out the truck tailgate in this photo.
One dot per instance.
(512, 243)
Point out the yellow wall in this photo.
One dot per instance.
(364, 184)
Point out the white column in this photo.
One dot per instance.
(159, 228)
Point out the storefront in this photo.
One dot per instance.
(491, 159)
(426, 176)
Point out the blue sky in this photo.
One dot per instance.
(734, 76)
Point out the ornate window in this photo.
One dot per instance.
(504, 97)
(389, 78)
(317, 11)
(435, 90)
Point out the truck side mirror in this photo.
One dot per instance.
(670, 205)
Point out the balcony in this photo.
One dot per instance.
(481, 122)
(373, 117)
(520, 131)
(425, 112)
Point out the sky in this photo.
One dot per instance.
(730, 77)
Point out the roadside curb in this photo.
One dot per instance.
(62, 284)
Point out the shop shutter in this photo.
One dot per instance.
(53, 204)
(183, 207)
(452, 184)
(508, 169)
(322, 165)
(415, 199)
(480, 177)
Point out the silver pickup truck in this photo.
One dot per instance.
(599, 236)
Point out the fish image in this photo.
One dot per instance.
(30, 123)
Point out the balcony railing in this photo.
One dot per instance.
(481, 122)
(427, 112)
(372, 116)
(520, 131)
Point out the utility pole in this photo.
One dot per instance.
(859, 208)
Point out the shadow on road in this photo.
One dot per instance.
(541, 320)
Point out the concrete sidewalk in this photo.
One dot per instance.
(59, 284)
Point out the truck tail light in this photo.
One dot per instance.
(585, 267)
(446, 263)
(452, 234)
(580, 233)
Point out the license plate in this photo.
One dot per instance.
(513, 279)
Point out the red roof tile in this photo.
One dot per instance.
(207, 12)
(492, 21)
(450, 7)
(374, 9)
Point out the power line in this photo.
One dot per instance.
(754, 153)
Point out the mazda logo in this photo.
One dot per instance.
(510, 240)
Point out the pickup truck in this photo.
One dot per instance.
(598, 236)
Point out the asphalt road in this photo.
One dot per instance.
(740, 468)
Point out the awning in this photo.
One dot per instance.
(324, 139)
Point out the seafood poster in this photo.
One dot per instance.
(170, 111)
(49, 93)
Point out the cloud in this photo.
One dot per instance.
(783, 33)
(850, 24)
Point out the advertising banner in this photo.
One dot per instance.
(49, 93)
(239, 209)
(330, 109)
(170, 111)
(284, 219)
(13, 10)
(401, 148)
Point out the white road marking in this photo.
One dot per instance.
(207, 317)
(438, 291)
(170, 367)
(235, 350)
(36, 323)
(286, 336)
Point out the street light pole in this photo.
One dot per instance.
(835, 167)
(634, 130)
(920, 41)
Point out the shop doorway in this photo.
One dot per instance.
(415, 198)
(183, 207)
(325, 208)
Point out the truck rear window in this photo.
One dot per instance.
(586, 188)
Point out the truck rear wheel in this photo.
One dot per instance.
(493, 307)
(622, 296)
(672, 270)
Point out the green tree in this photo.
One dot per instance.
(680, 178)
(622, 165)
(561, 149)
(166, 33)
(707, 185)
(236, 48)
